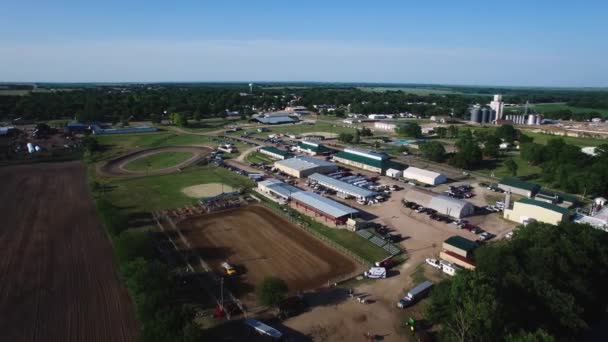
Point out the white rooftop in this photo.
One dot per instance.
(301, 163)
(323, 204)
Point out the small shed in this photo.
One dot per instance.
(394, 173)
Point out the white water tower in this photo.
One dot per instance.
(250, 88)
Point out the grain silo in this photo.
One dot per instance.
(485, 115)
(531, 119)
(475, 115)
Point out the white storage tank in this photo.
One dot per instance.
(30, 148)
(531, 119)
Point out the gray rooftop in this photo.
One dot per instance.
(276, 120)
(303, 163)
(341, 186)
(323, 204)
(285, 190)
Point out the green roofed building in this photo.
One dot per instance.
(362, 159)
(518, 186)
(528, 210)
(274, 152)
(459, 245)
(312, 148)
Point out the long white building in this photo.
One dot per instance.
(424, 176)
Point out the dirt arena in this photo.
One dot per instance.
(116, 166)
(206, 190)
(260, 243)
(57, 277)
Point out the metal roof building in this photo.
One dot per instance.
(277, 188)
(518, 186)
(328, 208)
(303, 166)
(275, 120)
(424, 176)
(443, 204)
(312, 148)
(459, 245)
(366, 160)
(274, 152)
(341, 186)
(528, 209)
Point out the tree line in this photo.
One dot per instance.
(547, 283)
(566, 167)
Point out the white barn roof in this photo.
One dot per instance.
(303, 163)
(424, 176)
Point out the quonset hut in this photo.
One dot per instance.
(443, 204)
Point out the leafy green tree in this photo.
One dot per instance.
(452, 131)
(433, 150)
(507, 133)
(366, 132)
(532, 153)
(411, 129)
(442, 132)
(345, 137)
(357, 137)
(271, 291)
(536, 336)
(491, 147)
(511, 166)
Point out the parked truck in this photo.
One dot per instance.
(415, 294)
(376, 273)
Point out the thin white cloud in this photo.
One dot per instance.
(216, 60)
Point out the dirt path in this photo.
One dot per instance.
(116, 166)
(242, 156)
(57, 276)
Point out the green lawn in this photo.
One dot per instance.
(552, 107)
(498, 169)
(164, 191)
(121, 143)
(157, 161)
(257, 157)
(544, 138)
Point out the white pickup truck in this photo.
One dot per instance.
(376, 273)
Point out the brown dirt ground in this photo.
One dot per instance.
(57, 277)
(260, 243)
(206, 190)
(116, 166)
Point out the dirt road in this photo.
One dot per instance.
(57, 277)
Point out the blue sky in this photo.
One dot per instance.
(512, 42)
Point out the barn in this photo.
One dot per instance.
(322, 206)
(443, 204)
(303, 166)
(424, 176)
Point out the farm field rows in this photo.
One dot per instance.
(57, 276)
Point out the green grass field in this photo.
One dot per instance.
(164, 191)
(257, 157)
(497, 169)
(158, 161)
(121, 143)
(552, 107)
(544, 138)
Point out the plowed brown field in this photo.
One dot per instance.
(57, 277)
(260, 243)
